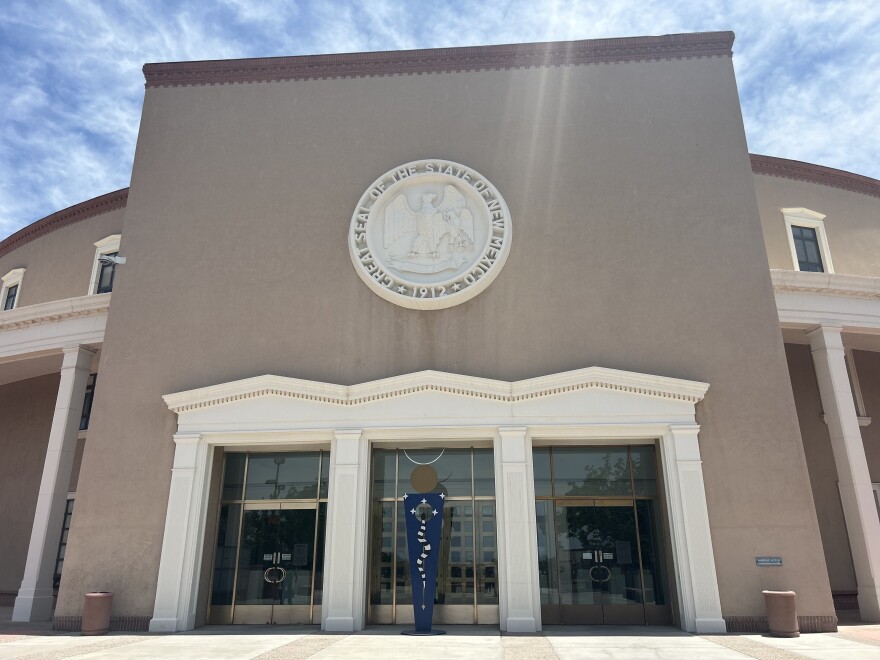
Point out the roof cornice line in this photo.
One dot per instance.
(71, 215)
(826, 176)
(436, 381)
(440, 60)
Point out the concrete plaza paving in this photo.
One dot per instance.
(39, 642)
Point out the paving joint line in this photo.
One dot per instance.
(752, 648)
(302, 648)
(98, 645)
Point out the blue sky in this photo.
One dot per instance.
(71, 86)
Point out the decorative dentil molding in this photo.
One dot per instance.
(826, 176)
(436, 381)
(54, 311)
(71, 215)
(854, 286)
(440, 60)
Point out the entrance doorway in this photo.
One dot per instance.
(467, 578)
(601, 558)
(599, 579)
(276, 564)
(268, 563)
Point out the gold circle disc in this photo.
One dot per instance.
(423, 479)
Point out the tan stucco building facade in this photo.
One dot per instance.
(643, 361)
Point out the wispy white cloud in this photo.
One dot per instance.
(812, 91)
(267, 13)
(70, 80)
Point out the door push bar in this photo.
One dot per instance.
(599, 572)
(277, 573)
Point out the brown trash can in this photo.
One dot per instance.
(96, 613)
(781, 613)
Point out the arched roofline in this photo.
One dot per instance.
(825, 176)
(71, 215)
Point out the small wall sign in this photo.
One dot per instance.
(768, 561)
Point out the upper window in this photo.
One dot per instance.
(876, 488)
(87, 402)
(10, 291)
(103, 274)
(807, 240)
(62, 544)
(10, 298)
(106, 274)
(806, 247)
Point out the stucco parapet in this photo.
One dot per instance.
(440, 60)
(504, 391)
(826, 176)
(856, 286)
(73, 214)
(56, 310)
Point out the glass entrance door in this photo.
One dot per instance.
(275, 565)
(601, 557)
(269, 557)
(599, 576)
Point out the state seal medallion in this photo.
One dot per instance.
(429, 234)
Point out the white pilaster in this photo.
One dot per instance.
(696, 578)
(518, 590)
(34, 600)
(856, 494)
(177, 585)
(344, 604)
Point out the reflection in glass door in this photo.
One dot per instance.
(275, 565)
(599, 576)
(268, 562)
(600, 551)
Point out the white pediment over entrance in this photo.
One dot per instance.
(594, 395)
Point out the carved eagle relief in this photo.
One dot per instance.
(434, 238)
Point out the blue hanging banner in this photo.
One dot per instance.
(424, 520)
